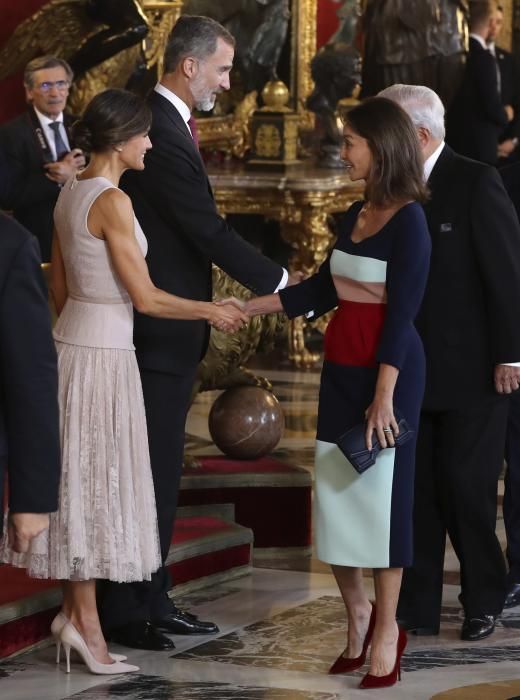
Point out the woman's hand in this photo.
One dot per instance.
(227, 317)
(237, 303)
(380, 417)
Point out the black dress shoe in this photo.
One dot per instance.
(141, 635)
(418, 629)
(181, 622)
(475, 628)
(513, 596)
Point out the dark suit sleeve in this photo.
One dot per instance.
(486, 87)
(407, 274)
(179, 188)
(496, 240)
(28, 382)
(28, 184)
(317, 294)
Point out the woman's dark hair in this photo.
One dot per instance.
(397, 165)
(111, 117)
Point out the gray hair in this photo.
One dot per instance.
(423, 106)
(194, 36)
(42, 63)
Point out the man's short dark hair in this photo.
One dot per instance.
(42, 63)
(480, 12)
(194, 36)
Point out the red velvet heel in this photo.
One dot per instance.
(344, 665)
(370, 681)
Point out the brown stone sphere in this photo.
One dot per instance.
(246, 422)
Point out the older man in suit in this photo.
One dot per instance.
(469, 326)
(37, 149)
(476, 117)
(29, 437)
(173, 201)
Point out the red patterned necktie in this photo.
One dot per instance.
(193, 128)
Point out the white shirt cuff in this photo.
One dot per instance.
(510, 364)
(283, 282)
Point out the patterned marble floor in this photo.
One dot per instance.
(280, 629)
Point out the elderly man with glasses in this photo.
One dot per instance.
(37, 148)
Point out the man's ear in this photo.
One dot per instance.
(424, 136)
(190, 66)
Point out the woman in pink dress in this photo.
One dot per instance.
(106, 525)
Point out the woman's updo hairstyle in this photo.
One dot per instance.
(111, 117)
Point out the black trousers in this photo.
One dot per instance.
(458, 463)
(167, 399)
(512, 489)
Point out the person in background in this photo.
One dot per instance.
(38, 149)
(477, 117)
(469, 326)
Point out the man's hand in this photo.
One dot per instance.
(63, 169)
(507, 147)
(507, 379)
(510, 112)
(237, 303)
(228, 316)
(23, 527)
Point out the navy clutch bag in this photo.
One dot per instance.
(352, 444)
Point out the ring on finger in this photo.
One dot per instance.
(387, 430)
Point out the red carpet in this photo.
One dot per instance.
(26, 610)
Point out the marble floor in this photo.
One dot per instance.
(281, 628)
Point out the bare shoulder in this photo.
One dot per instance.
(115, 206)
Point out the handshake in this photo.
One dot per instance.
(228, 315)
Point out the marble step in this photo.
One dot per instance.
(206, 550)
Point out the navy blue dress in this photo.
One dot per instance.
(377, 285)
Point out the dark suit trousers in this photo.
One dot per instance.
(458, 463)
(512, 489)
(167, 399)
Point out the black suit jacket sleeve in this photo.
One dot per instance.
(496, 237)
(317, 294)
(28, 383)
(178, 186)
(486, 86)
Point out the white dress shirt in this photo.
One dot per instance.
(185, 113)
(49, 133)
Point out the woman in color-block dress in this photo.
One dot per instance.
(373, 362)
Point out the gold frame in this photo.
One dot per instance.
(224, 132)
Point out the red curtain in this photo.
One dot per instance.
(327, 20)
(11, 89)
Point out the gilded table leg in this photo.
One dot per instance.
(310, 238)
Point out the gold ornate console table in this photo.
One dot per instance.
(301, 199)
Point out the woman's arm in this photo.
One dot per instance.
(380, 413)
(58, 283)
(112, 213)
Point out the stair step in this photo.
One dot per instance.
(271, 497)
(205, 550)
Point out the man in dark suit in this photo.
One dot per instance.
(477, 117)
(29, 437)
(469, 326)
(173, 201)
(38, 150)
(511, 507)
(509, 92)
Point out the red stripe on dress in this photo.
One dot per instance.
(353, 334)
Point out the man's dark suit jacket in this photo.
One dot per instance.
(510, 175)
(29, 426)
(469, 316)
(509, 91)
(31, 196)
(174, 204)
(476, 117)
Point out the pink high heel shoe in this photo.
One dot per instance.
(58, 624)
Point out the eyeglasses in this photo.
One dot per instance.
(59, 84)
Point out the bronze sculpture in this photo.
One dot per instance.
(420, 42)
